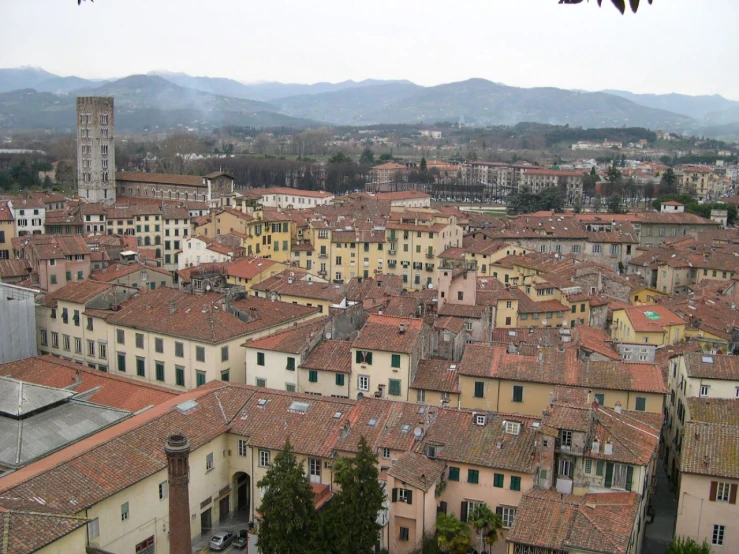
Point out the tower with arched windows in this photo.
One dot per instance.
(96, 149)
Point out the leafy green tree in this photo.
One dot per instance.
(288, 513)
(668, 183)
(683, 545)
(386, 157)
(486, 524)
(424, 166)
(615, 204)
(349, 521)
(367, 157)
(613, 180)
(667, 160)
(427, 545)
(452, 535)
(339, 158)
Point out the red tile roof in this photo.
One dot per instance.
(651, 319)
(437, 375)
(382, 332)
(710, 449)
(102, 388)
(77, 292)
(294, 340)
(330, 355)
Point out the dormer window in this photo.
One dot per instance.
(480, 419)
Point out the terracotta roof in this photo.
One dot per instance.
(402, 306)
(453, 324)
(116, 271)
(163, 178)
(32, 530)
(248, 268)
(596, 340)
(48, 247)
(461, 310)
(417, 470)
(437, 375)
(101, 387)
(401, 195)
(710, 449)
(593, 522)
(382, 332)
(330, 355)
(462, 440)
(14, 268)
(296, 192)
(173, 312)
(282, 284)
(716, 366)
(294, 340)
(77, 292)
(634, 436)
(261, 314)
(651, 319)
(5, 213)
(724, 411)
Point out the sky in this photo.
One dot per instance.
(682, 46)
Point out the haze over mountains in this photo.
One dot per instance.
(31, 98)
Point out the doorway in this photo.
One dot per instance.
(223, 508)
(206, 523)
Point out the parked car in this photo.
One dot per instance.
(242, 541)
(221, 541)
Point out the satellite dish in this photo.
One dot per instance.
(417, 432)
(430, 285)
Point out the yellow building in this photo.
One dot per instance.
(647, 325)
(7, 232)
(298, 287)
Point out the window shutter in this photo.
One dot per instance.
(499, 511)
(409, 497)
(463, 512)
(358, 358)
(629, 477)
(732, 494)
(368, 358)
(395, 495)
(441, 508)
(714, 488)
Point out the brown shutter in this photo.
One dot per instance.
(714, 488)
(732, 494)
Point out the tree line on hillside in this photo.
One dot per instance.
(693, 207)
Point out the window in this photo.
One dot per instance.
(261, 382)
(290, 387)
(124, 511)
(209, 462)
(93, 529)
(120, 336)
(498, 480)
(468, 325)
(404, 534)
(260, 358)
(102, 350)
(163, 490)
(200, 353)
(517, 393)
(507, 514)
(565, 468)
(77, 345)
(363, 382)
(403, 495)
(588, 465)
(704, 391)
(242, 447)
(473, 476)
(264, 458)
(479, 389)
(199, 378)
(460, 295)
(179, 372)
(566, 438)
(509, 304)
(453, 473)
(515, 483)
(600, 398)
(394, 387)
(140, 367)
(290, 363)
(159, 345)
(179, 349)
(339, 379)
(313, 376)
(386, 453)
(641, 404)
(420, 395)
(718, 535)
(121, 362)
(395, 361)
(44, 337)
(159, 370)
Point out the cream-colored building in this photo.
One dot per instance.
(648, 325)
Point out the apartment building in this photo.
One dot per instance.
(405, 199)
(30, 215)
(648, 325)
(326, 371)
(284, 197)
(134, 275)
(492, 379)
(55, 260)
(7, 232)
(538, 180)
(201, 249)
(298, 287)
(385, 355)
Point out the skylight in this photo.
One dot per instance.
(299, 407)
(337, 415)
(405, 428)
(262, 402)
(372, 422)
(651, 315)
(187, 406)
(707, 359)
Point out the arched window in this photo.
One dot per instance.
(178, 195)
(187, 196)
(158, 252)
(170, 195)
(147, 241)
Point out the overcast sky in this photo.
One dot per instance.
(685, 46)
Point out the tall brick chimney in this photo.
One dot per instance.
(177, 449)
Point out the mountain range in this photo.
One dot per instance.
(33, 98)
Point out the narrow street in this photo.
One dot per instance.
(659, 534)
(234, 524)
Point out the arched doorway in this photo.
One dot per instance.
(241, 486)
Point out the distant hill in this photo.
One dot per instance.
(696, 107)
(476, 101)
(65, 85)
(18, 78)
(143, 103)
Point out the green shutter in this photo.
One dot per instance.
(291, 363)
(641, 404)
(629, 477)
(498, 480)
(463, 512)
(599, 468)
(160, 371)
(395, 362)
(368, 358)
(515, 483)
(473, 476)
(395, 387)
(479, 389)
(395, 495)
(340, 379)
(313, 376)
(358, 357)
(609, 476)
(517, 393)
(409, 496)
(453, 473)
(260, 358)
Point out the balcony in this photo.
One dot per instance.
(430, 254)
(392, 250)
(429, 267)
(574, 449)
(323, 255)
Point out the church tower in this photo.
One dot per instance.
(96, 149)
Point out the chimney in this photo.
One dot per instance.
(596, 447)
(401, 329)
(177, 449)
(618, 407)
(608, 448)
